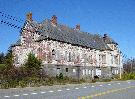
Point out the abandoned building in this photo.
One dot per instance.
(67, 50)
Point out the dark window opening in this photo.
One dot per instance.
(69, 57)
(53, 52)
(66, 69)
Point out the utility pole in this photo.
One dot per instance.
(120, 73)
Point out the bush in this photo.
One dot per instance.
(22, 84)
(128, 76)
(61, 76)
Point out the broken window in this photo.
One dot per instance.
(53, 54)
(66, 69)
(69, 57)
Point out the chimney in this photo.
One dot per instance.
(54, 20)
(105, 37)
(29, 16)
(78, 27)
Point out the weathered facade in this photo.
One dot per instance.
(67, 50)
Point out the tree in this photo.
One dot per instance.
(8, 71)
(33, 65)
(2, 57)
(129, 65)
(9, 59)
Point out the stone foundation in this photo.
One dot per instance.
(78, 72)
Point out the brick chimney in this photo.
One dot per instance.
(54, 20)
(29, 16)
(105, 37)
(78, 27)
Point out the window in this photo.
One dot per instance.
(58, 71)
(90, 58)
(89, 71)
(66, 55)
(74, 70)
(53, 52)
(69, 57)
(83, 72)
(66, 69)
(73, 57)
(57, 55)
(99, 57)
(116, 59)
(103, 59)
(111, 59)
(86, 71)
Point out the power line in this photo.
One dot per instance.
(10, 24)
(13, 25)
(11, 17)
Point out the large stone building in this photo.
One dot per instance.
(67, 50)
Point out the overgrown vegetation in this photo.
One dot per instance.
(129, 65)
(128, 76)
(30, 75)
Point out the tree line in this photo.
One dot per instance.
(129, 65)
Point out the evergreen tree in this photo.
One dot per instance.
(2, 57)
(9, 59)
(33, 65)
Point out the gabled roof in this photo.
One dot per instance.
(66, 34)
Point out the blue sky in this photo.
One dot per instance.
(114, 17)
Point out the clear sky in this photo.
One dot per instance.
(115, 17)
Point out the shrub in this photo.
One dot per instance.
(33, 65)
(128, 76)
(61, 76)
(22, 83)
